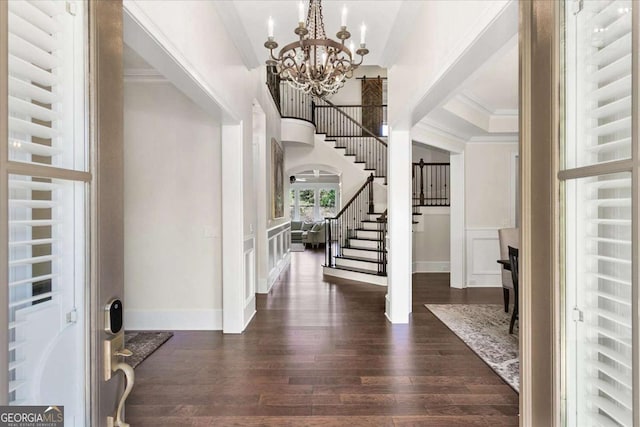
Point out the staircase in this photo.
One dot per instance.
(356, 237)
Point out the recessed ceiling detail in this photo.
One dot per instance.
(484, 107)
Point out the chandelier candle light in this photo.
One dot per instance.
(316, 64)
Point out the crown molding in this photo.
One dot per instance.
(491, 139)
(473, 102)
(428, 133)
(506, 112)
(143, 75)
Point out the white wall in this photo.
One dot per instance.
(431, 240)
(488, 184)
(489, 201)
(172, 211)
(433, 155)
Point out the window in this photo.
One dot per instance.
(327, 203)
(292, 204)
(306, 205)
(312, 202)
(597, 215)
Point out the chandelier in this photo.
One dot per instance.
(316, 64)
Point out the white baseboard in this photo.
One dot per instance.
(173, 320)
(282, 264)
(431, 267)
(263, 287)
(387, 307)
(485, 282)
(249, 311)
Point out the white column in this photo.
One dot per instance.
(232, 230)
(399, 226)
(458, 228)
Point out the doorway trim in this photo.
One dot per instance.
(539, 214)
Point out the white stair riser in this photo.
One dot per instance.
(364, 234)
(361, 253)
(369, 266)
(371, 226)
(366, 244)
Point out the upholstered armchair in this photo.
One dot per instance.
(315, 236)
(296, 231)
(507, 237)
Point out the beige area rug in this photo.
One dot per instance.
(485, 329)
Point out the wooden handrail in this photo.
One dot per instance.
(430, 164)
(354, 121)
(350, 202)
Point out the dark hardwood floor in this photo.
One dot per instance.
(322, 354)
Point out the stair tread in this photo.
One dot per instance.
(359, 258)
(362, 249)
(358, 270)
(372, 222)
(365, 229)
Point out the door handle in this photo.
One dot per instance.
(114, 352)
(129, 375)
(124, 353)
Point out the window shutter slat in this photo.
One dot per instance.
(25, 70)
(31, 34)
(19, 107)
(35, 15)
(33, 129)
(23, 49)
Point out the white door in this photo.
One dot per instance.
(44, 171)
(599, 214)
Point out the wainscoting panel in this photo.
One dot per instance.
(249, 279)
(279, 243)
(483, 252)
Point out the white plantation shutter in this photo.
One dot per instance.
(598, 215)
(45, 231)
(43, 107)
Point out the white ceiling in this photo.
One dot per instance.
(379, 16)
(132, 61)
(495, 86)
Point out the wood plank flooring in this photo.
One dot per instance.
(322, 354)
